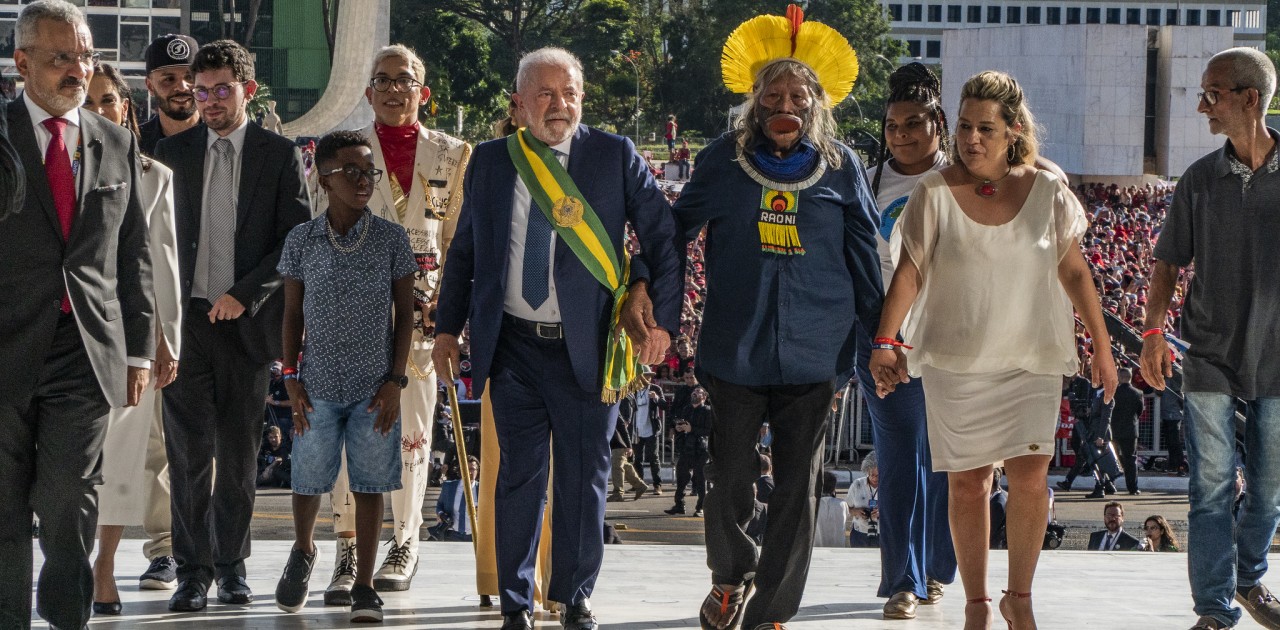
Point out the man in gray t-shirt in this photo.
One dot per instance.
(1225, 219)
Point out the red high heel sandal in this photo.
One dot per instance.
(1015, 595)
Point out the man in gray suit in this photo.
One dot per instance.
(76, 330)
(237, 191)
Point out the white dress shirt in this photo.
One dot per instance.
(513, 302)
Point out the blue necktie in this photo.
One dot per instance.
(537, 255)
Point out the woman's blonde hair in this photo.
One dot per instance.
(820, 125)
(1001, 88)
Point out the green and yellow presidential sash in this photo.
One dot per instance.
(577, 224)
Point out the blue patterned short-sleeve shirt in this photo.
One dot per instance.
(346, 304)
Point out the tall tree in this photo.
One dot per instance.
(519, 24)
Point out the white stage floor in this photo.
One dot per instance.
(652, 586)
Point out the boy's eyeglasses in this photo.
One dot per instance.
(354, 174)
(402, 84)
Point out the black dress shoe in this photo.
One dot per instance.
(234, 590)
(107, 608)
(578, 616)
(1135, 492)
(190, 597)
(522, 620)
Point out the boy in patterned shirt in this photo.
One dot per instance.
(345, 273)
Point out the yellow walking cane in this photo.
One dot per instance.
(463, 467)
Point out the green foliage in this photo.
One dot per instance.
(672, 48)
(257, 104)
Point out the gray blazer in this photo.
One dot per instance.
(105, 265)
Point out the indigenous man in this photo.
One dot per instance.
(791, 269)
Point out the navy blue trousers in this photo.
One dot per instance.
(915, 536)
(538, 406)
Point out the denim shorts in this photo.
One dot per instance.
(373, 459)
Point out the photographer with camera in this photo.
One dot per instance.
(864, 508)
(690, 430)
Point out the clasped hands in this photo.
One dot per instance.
(889, 369)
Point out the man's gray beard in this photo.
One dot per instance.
(57, 101)
(176, 114)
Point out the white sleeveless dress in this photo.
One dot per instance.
(992, 327)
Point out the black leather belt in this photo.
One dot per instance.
(540, 330)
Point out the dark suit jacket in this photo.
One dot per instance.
(614, 180)
(272, 199)
(1126, 542)
(106, 261)
(1128, 407)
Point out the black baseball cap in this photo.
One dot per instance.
(170, 50)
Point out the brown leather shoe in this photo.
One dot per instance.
(1209, 623)
(1262, 606)
(901, 606)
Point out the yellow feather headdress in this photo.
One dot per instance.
(765, 38)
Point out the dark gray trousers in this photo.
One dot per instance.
(50, 465)
(213, 412)
(797, 416)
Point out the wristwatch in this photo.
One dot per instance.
(398, 379)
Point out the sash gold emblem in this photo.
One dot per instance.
(567, 211)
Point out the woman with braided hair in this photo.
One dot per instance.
(916, 555)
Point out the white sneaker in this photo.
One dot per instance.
(344, 574)
(398, 569)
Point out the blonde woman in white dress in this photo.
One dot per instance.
(989, 270)
(135, 474)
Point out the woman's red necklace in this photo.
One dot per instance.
(987, 189)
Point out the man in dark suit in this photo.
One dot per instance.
(76, 329)
(539, 322)
(238, 190)
(1124, 427)
(1113, 538)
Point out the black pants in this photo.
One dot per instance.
(797, 416)
(646, 451)
(50, 464)
(1128, 448)
(691, 469)
(213, 412)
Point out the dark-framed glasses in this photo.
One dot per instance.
(353, 174)
(1211, 97)
(221, 91)
(402, 84)
(62, 59)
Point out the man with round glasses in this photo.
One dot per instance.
(238, 190)
(418, 186)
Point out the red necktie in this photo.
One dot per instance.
(62, 182)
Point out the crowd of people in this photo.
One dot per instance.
(947, 281)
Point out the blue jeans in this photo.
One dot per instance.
(1221, 553)
(373, 459)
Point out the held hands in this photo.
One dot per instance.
(301, 404)
(226, 307)
(650, 340)
(445, 356)
(387, 402)
(135, 383)
(889, 369)
(1156, 362)
(1103, 371)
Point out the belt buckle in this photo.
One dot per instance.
(553, 330)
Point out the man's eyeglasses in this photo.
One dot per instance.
(221, 91)
(353, 174)
(1211, 97)
(403, 84)
(62, 59)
